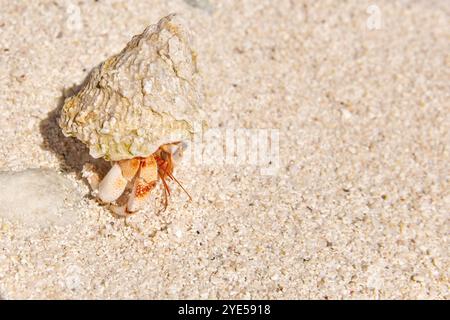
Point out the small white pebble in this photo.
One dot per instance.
(345, 114)
(178, 233)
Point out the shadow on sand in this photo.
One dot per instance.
(71, 152)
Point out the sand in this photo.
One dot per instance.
(357, 205)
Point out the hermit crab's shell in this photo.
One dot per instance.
(146, 96)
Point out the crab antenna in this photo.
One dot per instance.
(176, 180)
(179, 183)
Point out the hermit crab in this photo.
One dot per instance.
(137, 109)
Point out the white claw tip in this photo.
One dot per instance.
(112, 185)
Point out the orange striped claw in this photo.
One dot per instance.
(129, 168)
(149, 169)
(139, 195)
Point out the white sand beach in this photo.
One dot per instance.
(357, 204)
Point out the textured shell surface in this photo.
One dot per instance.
(146, 96)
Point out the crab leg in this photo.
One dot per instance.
(112, 185)
(143, 184)
(129, 168)
(92, 177)
(166, 157)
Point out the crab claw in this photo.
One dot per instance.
(129, 168)
(112, 185)
(143, 184)
(139, 195)
(149, 169)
